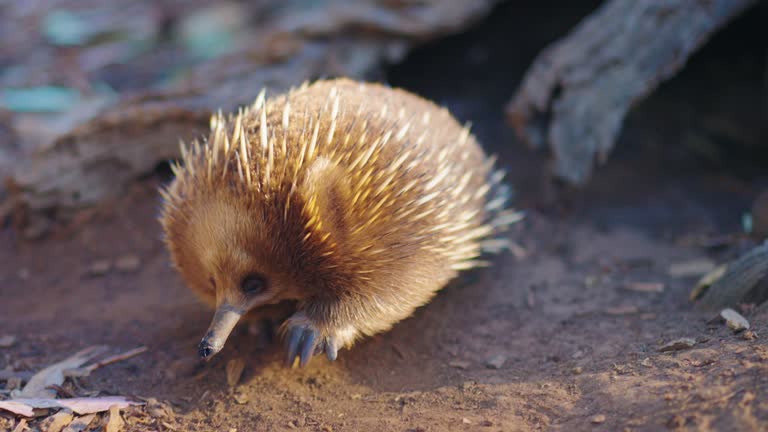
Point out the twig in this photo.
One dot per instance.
(116, 358)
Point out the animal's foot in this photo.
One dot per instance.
(305, 340)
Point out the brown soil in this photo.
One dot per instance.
(576, 350)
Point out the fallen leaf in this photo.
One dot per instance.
(86, 370)
(459, 364)
(26, 406)
(678, 345)
(21, 426)
(647, 287)
(115, 423)
(54, 374)
(80, 424)
(57, 422)
(692, 268)
(706, 281)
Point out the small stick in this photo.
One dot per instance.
(116, 358)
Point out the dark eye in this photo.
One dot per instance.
(253, 284)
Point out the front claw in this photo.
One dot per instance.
(305, 340)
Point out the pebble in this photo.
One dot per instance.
(241, 399)
(734, 320)
(7, 341)
(598, 419)
(127, 263)
(466, 421)
(678, 345)
(577, 370)
(99, 268)
(646, 362)
(496, 362)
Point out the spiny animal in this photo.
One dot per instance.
(355, 200)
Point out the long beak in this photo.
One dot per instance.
(224, 320)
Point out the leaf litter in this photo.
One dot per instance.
(39, 394)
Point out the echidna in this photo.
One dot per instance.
(355, 200)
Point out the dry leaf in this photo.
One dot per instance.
(80, 424)
(115, 423)
(692, 268)
(57, 422)
(648, 287)
(25, 407)
(21, 426)
(54, 374)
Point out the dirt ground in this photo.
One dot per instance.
(549, 341)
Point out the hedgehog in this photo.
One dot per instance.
(355, 201)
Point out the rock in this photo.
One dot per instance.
(7, 341)
(496, 362)
(127, 263)
(734, 320)
(598, 419)
(678, 345)
(241, 398)
(577, 370)
(646, 362)
(466, 421)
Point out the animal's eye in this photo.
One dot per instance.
(254, 283)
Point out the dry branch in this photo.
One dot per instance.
(576, 94)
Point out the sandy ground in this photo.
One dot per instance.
(549, 341)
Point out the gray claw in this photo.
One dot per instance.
(294, 338)
(331, 349)
(307, 346)
(305, 342)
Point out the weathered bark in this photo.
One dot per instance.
(97, 158)
(576, 94)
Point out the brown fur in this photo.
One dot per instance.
(359, 202)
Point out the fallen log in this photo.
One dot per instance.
(95, 158)
(578, 91)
